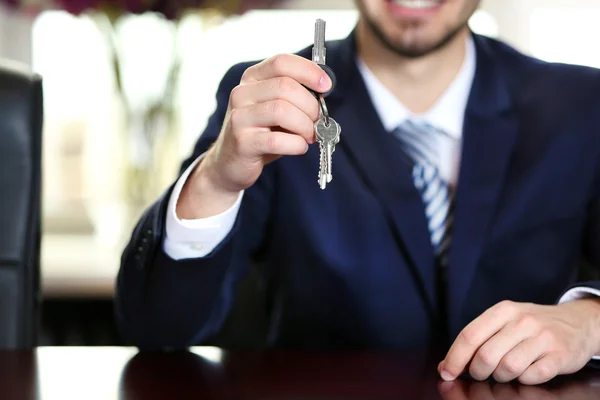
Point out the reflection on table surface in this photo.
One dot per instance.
(211, 373)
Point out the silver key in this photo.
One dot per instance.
(326, 129)
(318, 50)
(328, 135)
(319, 56)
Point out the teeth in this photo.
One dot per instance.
(416, 4)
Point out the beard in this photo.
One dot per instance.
(408, 50)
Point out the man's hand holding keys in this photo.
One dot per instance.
(270, 114)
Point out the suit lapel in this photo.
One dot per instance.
(489, 136)
(376, 155)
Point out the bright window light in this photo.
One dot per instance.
(484, 23)
(564, 34)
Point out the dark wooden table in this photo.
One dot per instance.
(210, 373)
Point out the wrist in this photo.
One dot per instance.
(590, 309)
(207, 179)
(202, 195)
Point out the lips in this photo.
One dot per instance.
(414, 8)
(417, 4)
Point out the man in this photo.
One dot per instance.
(465, 195)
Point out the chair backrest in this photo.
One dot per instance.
(21, 116)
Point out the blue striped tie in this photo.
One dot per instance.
(419, 143)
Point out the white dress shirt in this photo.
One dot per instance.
(197, 238)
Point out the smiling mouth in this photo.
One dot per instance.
(414, 9)
(417, 4)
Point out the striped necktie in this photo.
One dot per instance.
(419, 143)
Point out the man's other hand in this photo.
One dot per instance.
(529, 342)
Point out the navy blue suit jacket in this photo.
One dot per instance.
(352, 266)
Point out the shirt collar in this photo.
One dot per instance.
(447, 113)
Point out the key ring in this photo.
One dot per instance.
(324, 110)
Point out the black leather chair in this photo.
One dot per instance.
(21, 116)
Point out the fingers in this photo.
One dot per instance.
(473, 336)
(489, 355)
(283, 88)
(270, 114)
(272, 96)
(517, 360)
(279, 143)
(274, 113)
(542, 370)
(298, 68)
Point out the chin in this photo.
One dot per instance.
(414, 28)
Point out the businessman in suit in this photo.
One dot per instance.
(466, 194)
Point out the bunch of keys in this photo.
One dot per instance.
(327, 130)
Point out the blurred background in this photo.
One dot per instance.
(126, 96)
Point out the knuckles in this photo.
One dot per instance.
(469, 336)
(247, 75)
(272, 143)
(545, 370)
(507, 307)
(279, 62)
(236, 97)
(512, 364)
(528, 322)
(276, 108)
(487, 356)
(286, 85)
(548, 337)
(236, 136)
(235, 117)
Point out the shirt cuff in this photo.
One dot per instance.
(195, 238)
(577, 293)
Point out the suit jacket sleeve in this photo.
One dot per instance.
(590, 267)
(163, 303)
(590, 257)
(590, 261)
